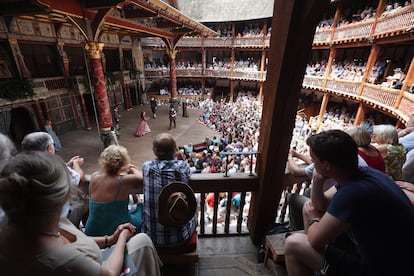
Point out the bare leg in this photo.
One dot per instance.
(300, 257)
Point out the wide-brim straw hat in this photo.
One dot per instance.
(176, 204)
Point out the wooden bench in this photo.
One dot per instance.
(275, 249)
(179, 259)
(180, 255)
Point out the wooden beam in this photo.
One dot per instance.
(293, 28)
(139, 13)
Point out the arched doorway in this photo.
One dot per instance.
(22, 123)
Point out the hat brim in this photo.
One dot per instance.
(164, 216)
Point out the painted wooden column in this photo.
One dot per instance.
(94, 50)
(373, 56)
(84, 111)
(288, 56)
(173, 75)
(322, 110)
(360, 114)
(260, 96)
(203, 70)
(408, 81)
(262, 70)
(127, 97)
(39, 113)
(76, 114)
(47, 110)
(19, 59)
(231, 98)
(233, 54)
(64, 58)
(331, 59)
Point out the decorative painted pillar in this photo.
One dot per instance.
(84, 112)
(19, 59)
(127, 96)
(64, 58)
(39, 114)
(322, 111)
(262, 71)
(260, 96)
(203, 66)
(360, 114)
(75, 111)
(173, 75)
(94, 50)
(231, 96)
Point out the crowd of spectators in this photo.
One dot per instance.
(355, 70)
(369, 12)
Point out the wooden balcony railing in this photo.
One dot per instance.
(313, 82)
(398, 21)
(256, 41)
(190, 42)
(226, 220)
(346, 88)
(212, 42)
(376, 96)
(218, 42)
(385, 97)
(215, 73)
(353, 32)
(322, 37)
(189, 72)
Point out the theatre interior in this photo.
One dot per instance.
(71, 62)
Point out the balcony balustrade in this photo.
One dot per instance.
(256, 41)
(229, 221)
(374, 95)
(353, 32)
(322, 37)
(226, 220)
(385, 97)
(347, 88)
(218, 42)
(189, 72)
(190, 42)
(313, 82)
(401, 20)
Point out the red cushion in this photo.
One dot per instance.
(189, 246)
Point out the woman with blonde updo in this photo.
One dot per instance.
(109, 192)
(36, 240)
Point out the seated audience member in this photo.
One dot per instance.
(406, 135)
(357, 205)
(408, 167)
(296, 201)
(34, 186)
(408, 189)
(406, 138)
(75, 209)
(369, 153)
(394, 154)
(109, 192)
(158, 173)
(7, 151)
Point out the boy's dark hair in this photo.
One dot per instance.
(336, 147)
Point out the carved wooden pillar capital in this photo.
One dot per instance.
(94, 49)
(172, 53)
